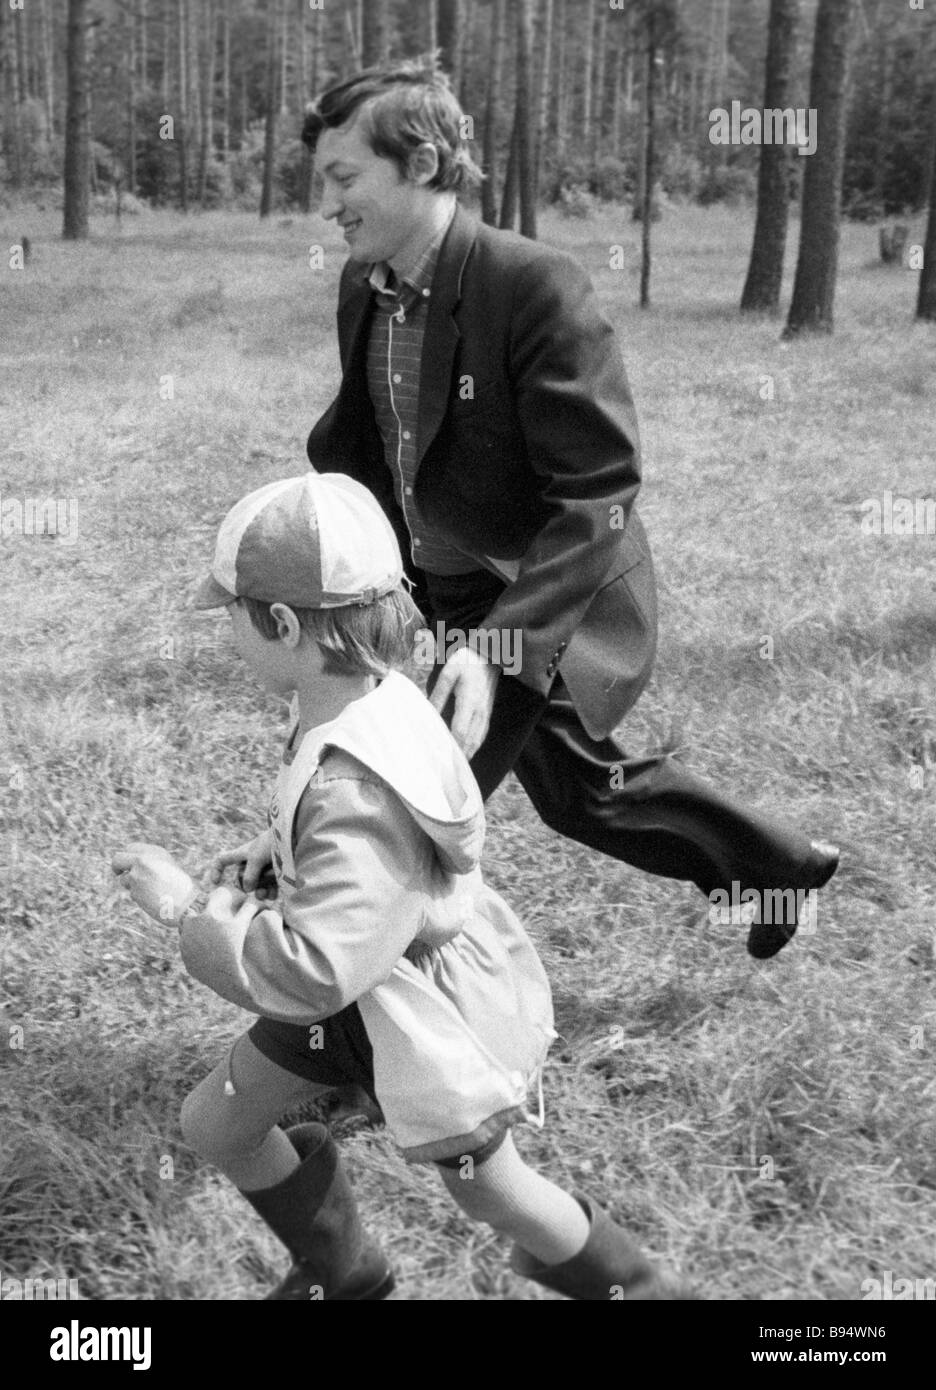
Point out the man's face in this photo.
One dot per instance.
(380, 211)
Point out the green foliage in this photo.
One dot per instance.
(727, 183)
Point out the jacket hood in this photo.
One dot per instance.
(396, 732)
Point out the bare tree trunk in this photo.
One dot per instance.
(144, 53)
(318, 41)
(649, 160)
(48, 65)
(375, 36)
(165, 87)
(489, 149)
(181, 132)
(587, 18)
(598, 84)
(225, 82)
(817, 264)
(508, 212)
(77, 125)
(130, 21)
(926, 297)
(284, 65)
(303, 78)
(526, 160)
(765, 270)
(562, 99)
(467, 51)
(432, 25)
(450, 19)
(354, 47)
(207, 101)
(618, 96)
(543, 92)
(269, 140)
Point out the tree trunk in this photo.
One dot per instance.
(181, 132)
(765, 270)
(48, 65)
(375, 35)
(77, 124)
(616, 142)
(587, 18)
(466, 60)
(450, 31)
(526, 162)
(269, 139)
(225, 82)
(130, 21)
(489, 148)
(354, 47)
(543, 92)
(562, 98)
(284, 64)
(817, 264)
(432, 25)
(598, 84)
(207, 84)
(508, 212)
(926, 298)
(649, 160)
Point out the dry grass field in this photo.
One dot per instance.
(767, 1129)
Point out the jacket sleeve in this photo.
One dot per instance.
(580, 431)
(361, 863)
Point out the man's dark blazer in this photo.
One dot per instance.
(528, 451)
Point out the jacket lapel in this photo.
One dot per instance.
(354, 312)
(442, 335)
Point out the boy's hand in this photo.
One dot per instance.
(155, 881)
(254, 856)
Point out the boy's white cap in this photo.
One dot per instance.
(317, 541)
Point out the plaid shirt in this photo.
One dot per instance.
(394, 352)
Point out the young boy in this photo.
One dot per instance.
(385, 962)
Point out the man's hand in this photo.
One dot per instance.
(254, 855)
(473, 682)
(156, 882)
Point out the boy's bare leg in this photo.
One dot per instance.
(231, 1117)
(513, 1199)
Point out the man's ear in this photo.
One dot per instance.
(288, 628)
(423, 163)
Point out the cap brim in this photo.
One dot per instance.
(211, 594)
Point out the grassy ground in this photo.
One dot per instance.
(766, 1128)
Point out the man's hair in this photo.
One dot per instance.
(406, 105)
(357, 638)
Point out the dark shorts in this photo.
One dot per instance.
(337, 1052)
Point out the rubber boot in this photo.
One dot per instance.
(609, 1267)
(314, 1213)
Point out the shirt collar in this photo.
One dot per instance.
(421, 268)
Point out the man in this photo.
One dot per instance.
(484, 401)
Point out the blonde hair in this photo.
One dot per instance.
(357, 638)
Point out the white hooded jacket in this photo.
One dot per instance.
(378, 827)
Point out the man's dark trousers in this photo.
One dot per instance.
(657, 815)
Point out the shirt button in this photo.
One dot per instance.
(416, 541)
(425, 294)
(397, 378)
(408, 491)
(407, 435)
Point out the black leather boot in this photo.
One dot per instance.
(314, 1213)
(609, 1267)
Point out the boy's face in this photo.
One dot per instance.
(271, 663)
(380, 211)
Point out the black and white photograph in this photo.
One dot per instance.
(468, 700)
